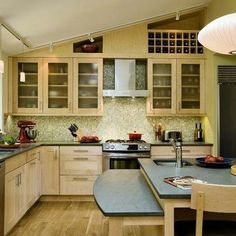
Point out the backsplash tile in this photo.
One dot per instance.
(121, 116)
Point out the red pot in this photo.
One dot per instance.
(134, 136)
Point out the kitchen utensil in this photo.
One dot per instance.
(31, 133)
(135, 136)
(233, 170)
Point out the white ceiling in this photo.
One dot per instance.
(44, 21)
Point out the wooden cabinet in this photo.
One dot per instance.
(15, 198)
(27, 96)
(50, 170)
(57, 76)
(33, 177)
(52, 87)
(163, 152)
(79, 168)
(176, 87)
(88, 98)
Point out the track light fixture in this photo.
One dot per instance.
(91, 39)
(177, 15)
(51, 47)
(22, 73)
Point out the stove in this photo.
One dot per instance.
(124, 154)
(124, 145)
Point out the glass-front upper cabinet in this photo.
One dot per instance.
(162, 83)
(190, 86)
(27, 85)
(88, 86)
(58, 85)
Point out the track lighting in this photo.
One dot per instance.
(51, 47)
(91, 39)
(177, 15)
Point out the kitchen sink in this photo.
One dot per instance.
(170, 162)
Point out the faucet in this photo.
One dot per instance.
(177, 145)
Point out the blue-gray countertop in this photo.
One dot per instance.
(157, 173)
(125, 193)
(28, 146)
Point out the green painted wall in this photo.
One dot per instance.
(216, 9)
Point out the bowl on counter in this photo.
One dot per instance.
(89, 48)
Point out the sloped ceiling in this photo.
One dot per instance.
(45, 21)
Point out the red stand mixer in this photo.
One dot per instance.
(27, 132)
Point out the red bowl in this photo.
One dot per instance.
(89, 48)
(134, 136)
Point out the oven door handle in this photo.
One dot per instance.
(125, 156)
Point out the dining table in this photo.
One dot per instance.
(172, 197)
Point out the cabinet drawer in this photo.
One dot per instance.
(33, 154)
(188, 151)
(15, 162)
(80, 165)
(80, 150)
(77, 185)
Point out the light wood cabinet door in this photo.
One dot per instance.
(57, 76)
(162, 86)
(190, 86)
(27, 95)
(32, 181)
(88, 85)
(176, 86)
(50, 170)
(15, 197)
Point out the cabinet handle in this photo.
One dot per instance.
(17, 180)
(55, 154)
(80, 158)
(80, 151)
(80, 179)
(32, 163)
(184, 150)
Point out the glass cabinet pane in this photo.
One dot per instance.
(190, 90)
(57, 85)
(28, 90)
(87, 85)
(162, 74)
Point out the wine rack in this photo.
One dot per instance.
(174, 42)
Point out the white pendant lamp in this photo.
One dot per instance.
(1, 66)
(220, 35)
(22, 76)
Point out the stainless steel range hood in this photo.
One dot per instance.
(125, 80)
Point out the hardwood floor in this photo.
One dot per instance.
(70, 219)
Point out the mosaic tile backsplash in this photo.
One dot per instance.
(121, 116)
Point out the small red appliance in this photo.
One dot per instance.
(27, 132)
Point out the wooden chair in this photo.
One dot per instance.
(211, 198)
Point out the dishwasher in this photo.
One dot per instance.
(2, 182)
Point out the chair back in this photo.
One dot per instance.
(212, 198)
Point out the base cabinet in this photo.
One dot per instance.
(15, 198)
(79, 168)
(50, 170)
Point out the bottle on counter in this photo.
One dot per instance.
(200, 133)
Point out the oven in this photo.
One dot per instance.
(124, 155)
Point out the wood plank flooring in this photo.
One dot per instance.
(70, 219)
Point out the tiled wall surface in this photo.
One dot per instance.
(121, 116)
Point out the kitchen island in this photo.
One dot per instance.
(168, 196)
